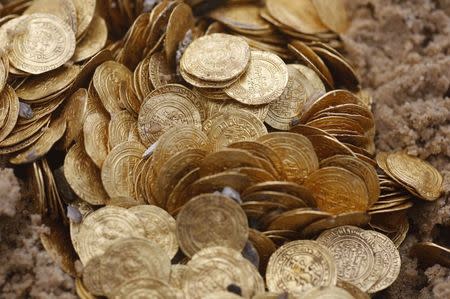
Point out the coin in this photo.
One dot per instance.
(211, 220)
(147, 288)
(263, 82)
(95, 136)
(216, 57)
(102, 227)
(159, 227)
(74, 112)
(10, 104)
(333, 15)
(351, 218)
(85, 15)
(217, 107)
(299, 266)
(45, 34)
(91, 276)
(93, 41)
(353, 254)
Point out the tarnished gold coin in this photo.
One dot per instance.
(146, 287)
(316, 88)
(229, 127)
(351, 218)
(290, 103)
(93, 41)
(353, 253)
(165, 110)
(117, 167)
(299, 266)
(83, 176)
(159, 71)
(159, 227)
(103, 227)
(211, 220)
(263, 82)
(132, 258)
(338, 190)
(217, 57)
(47, 35)
(416, 174)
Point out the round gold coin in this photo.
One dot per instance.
(159, 227)
(46, 44)
(230, 127)
(85, 15)
(353, 253)
(163, 111)
(146, 287)
(211, 220)
(263, 82)
(93, 41)
(217, 57)
(132, 258)
(299, 266)
(103, 227)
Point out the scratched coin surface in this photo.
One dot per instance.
(211, 220)
(299, 266)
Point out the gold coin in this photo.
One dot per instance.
(4, 70)
(177, 197)
(217, 182)
(165, 110)
(327, 292)
(122, 127)
(297, 219)
(296, 152)
(93, 41)
(83, 176)
(316, 88)
(160, 72)
(217, 57)
(327, 146)
(227, 159)
(63, 9)
(10, 103)
(351, 218)
(338, 190)
(159, 227)
(117, 167)
(217, 107)
(132, 258)
(290, 103)
(146, 288)
(333, 15)
(91, 276)
(211, 220)
(240, 16)
(95, 136)
(353, 253)
(230, 127)
(299, 266)
(263, 82)
(103, 227)
(85, 15)
(388, 258)
(47, 35)
(417, 174)
(74, 112)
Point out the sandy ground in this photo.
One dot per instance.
(401, 52)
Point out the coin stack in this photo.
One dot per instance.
(193, 149)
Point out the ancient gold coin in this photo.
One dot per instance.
(85, 15)
(165, 110)
(353, 253)
(217, 107)
(417, 174)
(147, 287)
(47, 35)
(229, 127)
(337, 190)
(299, 266)
(241, 16)
(122, 127)
(263, 82)
(351, 218)
(159, 71)
(211, 220)
(95, 136)
(333, 15)
(217, 57)
(91, 276)
(290, 103)
(63, 9)
(132, 258)
(222, 295)
(177, 197)
(93, 41)
(317, 88)
(117, 167)
(159, 227)
(83, 176)
(103, 227)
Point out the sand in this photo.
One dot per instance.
(401, 52)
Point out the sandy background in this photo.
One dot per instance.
(401, 52)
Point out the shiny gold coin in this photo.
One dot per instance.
(161, 112)
(337, 190)
(159, 227)
(217, 57)
(296, 152)
(344, 239)
(388, 256)
(299, 266)
(417, 174)
(351, 218)
(10, 103)
(91, 276)
(85, 16)
(316, 88)
(132, 258)
(103, 227)
(290, 103)
(147, 287)
(240, 16)
(327, 146)
(95, 136)
(117, 167)
(93, 41)
(45, 34)
(74, 112)
(83, 176)
(231, 127)
(211, 220)
(263, 82)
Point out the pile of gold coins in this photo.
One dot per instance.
(203, 149)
